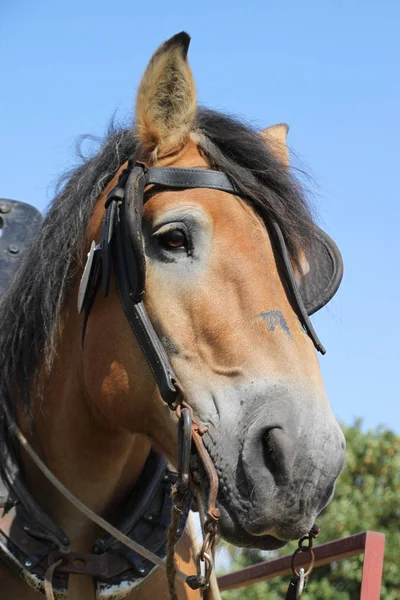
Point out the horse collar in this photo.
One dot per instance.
(30, 542)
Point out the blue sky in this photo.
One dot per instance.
(329, 69)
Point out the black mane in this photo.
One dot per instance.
(30, 310)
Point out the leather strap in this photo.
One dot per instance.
(130, 222)
(190, 178)
(294, 289)
(102, 566)
(136, 313)
(15, 483)
(106, 247)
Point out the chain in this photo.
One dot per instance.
(190, 431)
(297, 584)
(208, 547)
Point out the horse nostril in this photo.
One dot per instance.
(327, 497)
(278, 454)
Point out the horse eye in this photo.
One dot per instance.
(175, 238)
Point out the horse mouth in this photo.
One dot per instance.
(235, 527)
(230, 530)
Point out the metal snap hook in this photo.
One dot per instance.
(184, 445)
(300, 584)
(204, 580)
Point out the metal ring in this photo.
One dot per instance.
(312, 561)
(303, 540)
(208, 543)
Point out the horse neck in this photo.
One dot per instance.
(97, 463)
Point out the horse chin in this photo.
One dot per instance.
(231, 531)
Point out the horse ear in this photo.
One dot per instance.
(166, 100)
(275, 138)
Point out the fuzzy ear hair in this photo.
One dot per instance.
(275, 138)
(166, 100)
(301, 267)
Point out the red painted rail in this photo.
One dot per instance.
(369, 543)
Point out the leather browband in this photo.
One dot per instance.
(173, 177)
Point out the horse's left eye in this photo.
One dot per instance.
(174, 238)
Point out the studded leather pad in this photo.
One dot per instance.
(18, 224)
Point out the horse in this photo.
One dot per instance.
(196, 262)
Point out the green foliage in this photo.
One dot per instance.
(367, 498)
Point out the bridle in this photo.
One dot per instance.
(121, 246)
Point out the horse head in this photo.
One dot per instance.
(217, 294)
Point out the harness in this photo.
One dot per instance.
(29, 541)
